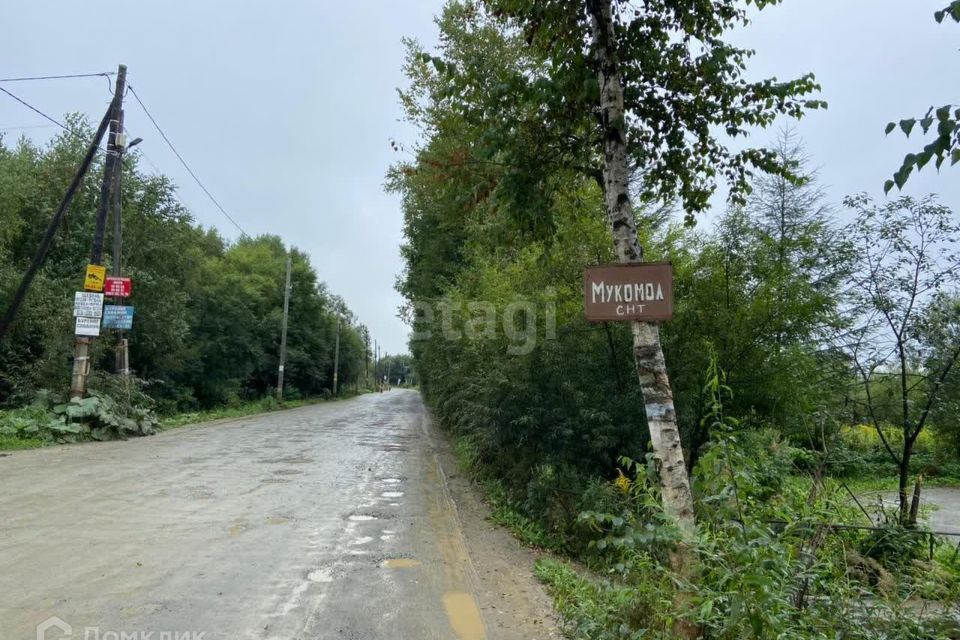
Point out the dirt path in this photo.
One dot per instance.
(333, 521)
(514, 603)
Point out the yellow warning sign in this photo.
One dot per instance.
(96, 274)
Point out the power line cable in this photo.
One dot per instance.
(184, 162)
(27, 126)
(104, 74)
(44, 115)
(155, 124)
(35, 110)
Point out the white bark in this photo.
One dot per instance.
(648, 355)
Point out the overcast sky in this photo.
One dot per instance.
(285, 109)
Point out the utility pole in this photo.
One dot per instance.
(122, 359)
(366, 356)
(81, 348)
(336, 357)
(283, 331)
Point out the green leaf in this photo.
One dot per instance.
(907, 125)
(890, 127)
(900, 177)
(955, 157)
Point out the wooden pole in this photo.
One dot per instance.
(283, 331)
(122, 358)
(336, 358)
(81, 347)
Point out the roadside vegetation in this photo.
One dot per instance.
(206, 332)
(812, 354)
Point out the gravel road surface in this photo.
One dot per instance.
(331, 521)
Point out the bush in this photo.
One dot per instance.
(35, 425)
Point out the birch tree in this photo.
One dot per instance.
(656, 80)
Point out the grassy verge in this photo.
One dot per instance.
(503, 510)
(12, 443)
(265, 405)
(592, 608)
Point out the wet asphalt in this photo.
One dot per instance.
(330, 521)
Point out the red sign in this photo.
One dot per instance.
(117, 287)
(628, 292)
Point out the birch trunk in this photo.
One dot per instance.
(651, 368)
(647, 353)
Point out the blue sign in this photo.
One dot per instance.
(116, 316)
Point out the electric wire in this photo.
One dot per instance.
(26, 126)
(37, 111)
(184, 162)
(104, 74)
(166, 139)
(48, 117)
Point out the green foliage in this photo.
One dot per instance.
(943, 121)
(537, 109)
(33, 426)
(766, 566)
(207, 326)
(598, 609)
(502, 204)
(101, 417)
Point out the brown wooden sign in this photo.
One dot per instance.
(629, 292)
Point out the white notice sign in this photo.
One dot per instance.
(88, 326)
(88, 305)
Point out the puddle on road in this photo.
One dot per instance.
(464, 615)
(401, 563)
(391, 481)
(362, 540)
(392, 494)
(361, 517)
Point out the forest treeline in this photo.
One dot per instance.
(206, 329)
(811, 349)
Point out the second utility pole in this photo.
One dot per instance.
(283, 332)
(336, 357)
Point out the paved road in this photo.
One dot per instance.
(332, 521)
(944, 504)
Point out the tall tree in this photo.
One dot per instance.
(909, 257)
(662, 81)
